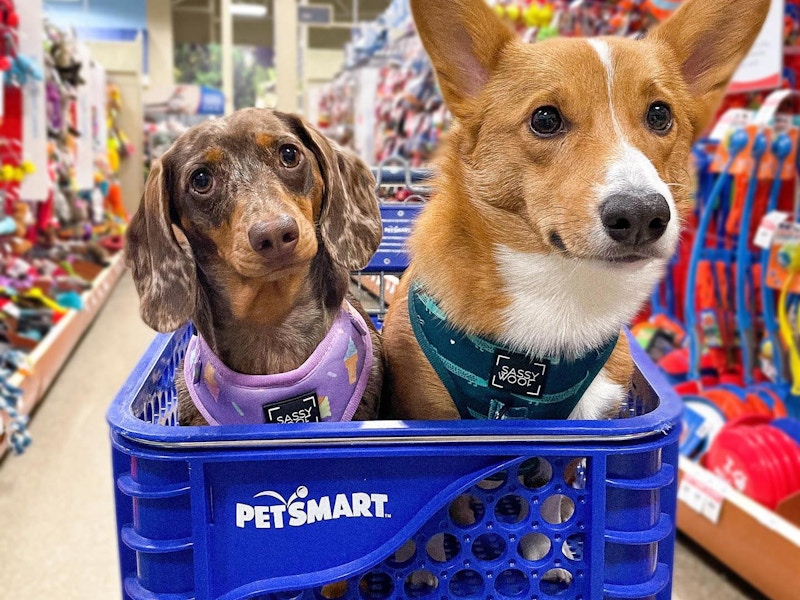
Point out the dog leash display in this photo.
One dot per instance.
(781, 148)
(738, 142)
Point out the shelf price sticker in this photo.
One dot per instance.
(703, 493)
(768, 228)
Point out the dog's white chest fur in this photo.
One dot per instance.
(562, 306)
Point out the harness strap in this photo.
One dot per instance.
(489, 381)
(328, 386)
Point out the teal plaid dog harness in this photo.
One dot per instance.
(488, 381)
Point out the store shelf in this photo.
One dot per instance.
(760, 545)
(47, 359)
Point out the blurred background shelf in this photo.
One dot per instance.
(760, 545)
(47, 359)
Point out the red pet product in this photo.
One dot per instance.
(757, 459)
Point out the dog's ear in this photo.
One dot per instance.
(710, 39)
(464, 39)
(350, 220)
(163, 270)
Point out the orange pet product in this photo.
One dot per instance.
(728, 402)
(114, 202)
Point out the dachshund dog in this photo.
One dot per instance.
(249, 227)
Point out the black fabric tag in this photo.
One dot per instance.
(300, 409)
(518, 374)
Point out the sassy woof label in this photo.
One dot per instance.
(300, 409)
(517, 374)
(298, 510)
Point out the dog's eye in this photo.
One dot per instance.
(547, 122)
(202, 180)
(290, 155)
(659, 117)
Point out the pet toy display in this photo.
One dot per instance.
(731, 343)
(410, 117)
(50, 251)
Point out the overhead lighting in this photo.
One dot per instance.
(256, 11)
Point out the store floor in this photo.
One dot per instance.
(57, 530)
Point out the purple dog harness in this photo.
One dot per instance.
(327, 387)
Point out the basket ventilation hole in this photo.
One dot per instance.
(467, 510)
(333, 591)
(376, 586)
(443, 547)
(511, 509)
(573, 547)
(534, 546)
(488, 547)
(555, 581)
(535, 473)
(420, 583)
(493, 481)
(403, 556)
(575, 474)
(512, 582)
(467, 584)
(557, 509)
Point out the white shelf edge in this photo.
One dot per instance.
(763, 515)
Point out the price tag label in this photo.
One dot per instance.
(703, 494)
(769, 225)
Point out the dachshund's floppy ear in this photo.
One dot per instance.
(350, 221)
(163, 270)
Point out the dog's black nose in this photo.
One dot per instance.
(274, 238)
(635, 220)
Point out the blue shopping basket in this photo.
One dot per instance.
(391, 258)
(389, 510)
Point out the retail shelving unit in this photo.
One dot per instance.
(760, 545)
(47, 359)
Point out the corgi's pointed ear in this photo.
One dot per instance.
(464, 39)
(710, 38)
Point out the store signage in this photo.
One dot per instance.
(763, 67)
(212, 102)
(99, 95)
(35, 186)
(85, 149)
(314, 15)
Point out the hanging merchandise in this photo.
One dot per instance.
(738, 370)
(57, 237)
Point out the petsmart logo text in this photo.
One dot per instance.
(296, 511)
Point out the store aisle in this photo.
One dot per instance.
(57, 530)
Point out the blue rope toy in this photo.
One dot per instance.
(19, 437)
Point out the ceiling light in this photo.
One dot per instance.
(249, 10)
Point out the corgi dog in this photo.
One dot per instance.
(560, 192)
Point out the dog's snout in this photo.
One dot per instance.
(635, 220)
(276, 237)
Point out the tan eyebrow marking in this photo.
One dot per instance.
(264, 140)
(215, 155)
